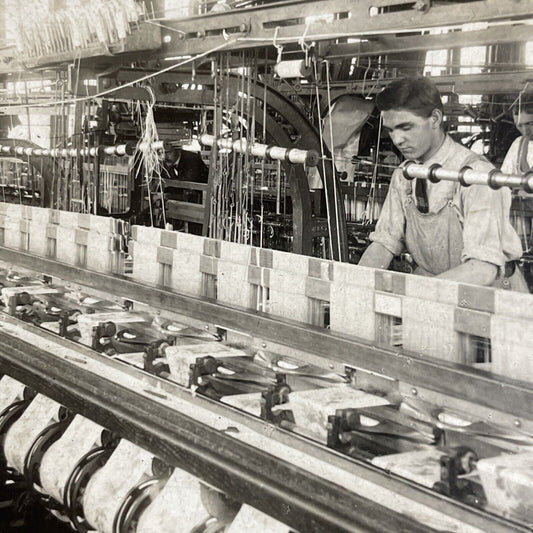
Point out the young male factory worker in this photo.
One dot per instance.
(519, 158)
(451, 231)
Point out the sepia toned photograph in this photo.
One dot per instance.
(266, 266)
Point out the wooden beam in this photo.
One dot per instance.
(395, 44)
(356, 19)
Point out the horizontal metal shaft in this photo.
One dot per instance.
(466, 176)
(119, 150)
(309, 158)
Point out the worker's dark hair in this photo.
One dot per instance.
(418, 95)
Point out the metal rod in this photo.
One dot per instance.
(119, 150)
(292, 155)
(466, 176)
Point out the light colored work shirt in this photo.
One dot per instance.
(482, 212)
(515, 162)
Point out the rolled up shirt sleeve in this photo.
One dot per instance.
(390, 228)
(487, 233)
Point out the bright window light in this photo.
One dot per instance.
(528, 54)
(472, 99)
(472, 59)
(436, 62)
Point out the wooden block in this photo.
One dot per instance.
(108, 488)
(354, 275)
(472, 322)
(434, 289)
(318, 289)
(169, 239)
(479, 298)
(24, 226)
(320, 268)
(86, 322)
(54, 216)
(387, 304)
(165, 256)
(181, 356)
(311, 408)
(266, 258)
(512, 348)
(180, 502)
(352, 311)
(508, 484)
(8, 292)
(211, 247)
(287, 262)
(513, 304)
(421, 466)
(84, 220)
(81, 236)
(259, 276)
(387, 281)
(249, 519)
(428, 329)
(209, 265)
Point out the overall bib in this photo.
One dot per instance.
(435, 241)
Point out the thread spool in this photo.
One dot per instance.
(292, 69)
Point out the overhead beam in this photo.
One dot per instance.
(256, 26)
(485, 83)
(385, 44)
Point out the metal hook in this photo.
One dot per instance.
(304, 46)
(278, 47)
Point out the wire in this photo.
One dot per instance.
(334, 167)
(130, 83)
(319, 116)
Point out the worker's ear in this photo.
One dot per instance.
(436, 118)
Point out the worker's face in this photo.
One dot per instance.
(416, 137)
(171, 155)
(524, 124)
